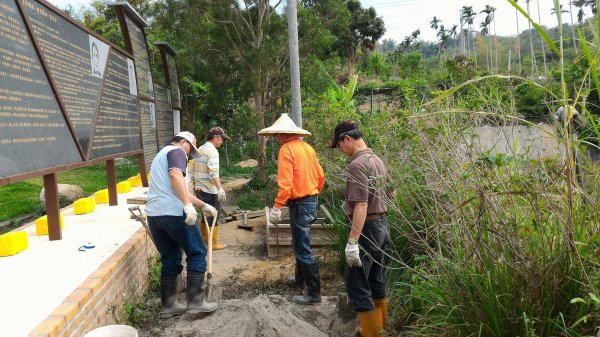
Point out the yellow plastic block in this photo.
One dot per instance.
(147, 175)
(135, 181)
(84, 205)
(12, 243)
(101, 196)
(41, 225)
(123, 187)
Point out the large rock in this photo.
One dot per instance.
(248, 163)
(65, 191)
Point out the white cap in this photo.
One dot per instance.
(190, 138)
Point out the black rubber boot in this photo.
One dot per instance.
(168, 299)
(195, 296)
(297, 280)
(313, 285)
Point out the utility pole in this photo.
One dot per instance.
(292, 20)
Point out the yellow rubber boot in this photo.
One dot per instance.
(382, 304)
(216, 245)
(204, 232)
(371, 323)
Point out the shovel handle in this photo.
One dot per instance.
(140, 217)
(210, 230)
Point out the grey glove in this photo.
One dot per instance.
(352, 255)
(190, 214)
(209, 210)
(221, 195)
(275, 215)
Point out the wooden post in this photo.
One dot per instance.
(52, 208)
(142, 165)
(112, 183)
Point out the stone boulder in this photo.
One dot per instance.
(248, 163)
(66, 192)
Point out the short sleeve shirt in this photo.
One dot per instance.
(367, 180)
(162, 199)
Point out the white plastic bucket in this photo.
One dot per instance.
(113, 331)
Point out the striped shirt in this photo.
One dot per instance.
(206, 168)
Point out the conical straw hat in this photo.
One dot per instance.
(283, 125)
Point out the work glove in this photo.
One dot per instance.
(190, 214)
(352, 255)
(275, 215)
(222, 196)
(209, 210)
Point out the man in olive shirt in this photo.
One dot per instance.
(368, 188)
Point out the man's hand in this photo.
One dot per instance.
(352, 255)
(275, 215)
(222, 196)
(209, 210)
(190, 214)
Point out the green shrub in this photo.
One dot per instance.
(530, 101)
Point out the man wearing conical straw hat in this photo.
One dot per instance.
(300, 179)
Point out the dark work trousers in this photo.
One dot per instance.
(303, 212)
(368, 282)
(211, 199)
(171, 234)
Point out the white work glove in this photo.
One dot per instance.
(190, 214)
(352, 255)
(275, 215)
(209, 210)
(222, 196)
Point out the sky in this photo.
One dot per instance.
(402, 17)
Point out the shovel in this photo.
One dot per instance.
(210, 287)
(140, 217)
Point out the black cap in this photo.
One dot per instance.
(340, 129)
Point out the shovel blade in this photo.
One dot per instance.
(213, 291)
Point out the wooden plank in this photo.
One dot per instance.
(287, 226)
(137, 200)
(314, 241)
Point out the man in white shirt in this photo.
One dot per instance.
(207, 183)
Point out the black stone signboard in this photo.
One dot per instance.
(148, 118)
(174, 81)
(140, 53)
(117, 127)
(33, 132)
(66, 49)
(164, 115)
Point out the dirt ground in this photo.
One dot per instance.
(255, 297)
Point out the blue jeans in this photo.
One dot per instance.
(368, 282)
(171, 234)
(303, 212)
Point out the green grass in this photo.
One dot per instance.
(256, 195)
(21, 199)
(237, 171)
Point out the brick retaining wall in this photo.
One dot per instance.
(100, 299)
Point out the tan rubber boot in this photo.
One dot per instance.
(371, 323)
(216, 245)
(204, 232)
(382, 304)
